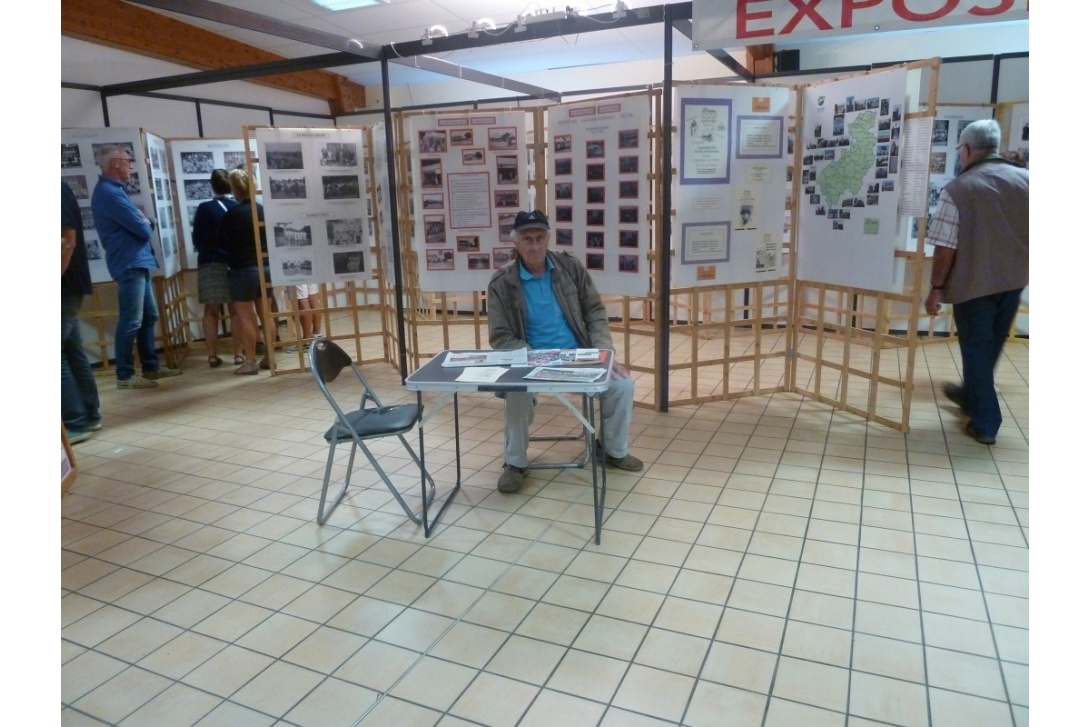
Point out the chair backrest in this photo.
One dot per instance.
(327, 360)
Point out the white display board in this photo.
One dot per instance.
(313, 194)
(194, 160)
(80, 173)
(599, 164)
(731, 154)
(469, 179)
(848, 207)
(385, 235)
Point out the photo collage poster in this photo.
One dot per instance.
(599, 195)
(848, 208)
(469, 180)
(194, 160)
(315, 196)
(80, 173)
(943, 164)
(165, 218)
(732, 156)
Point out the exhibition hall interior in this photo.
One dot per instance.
(819, 532)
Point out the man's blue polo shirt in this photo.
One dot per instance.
(546, 326)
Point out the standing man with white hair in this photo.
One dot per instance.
(981, 238)
(125, 233)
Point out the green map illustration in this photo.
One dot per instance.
(846, 173)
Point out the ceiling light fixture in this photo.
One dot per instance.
(620, 10)
(435, 31)
(336, 5)
(484, 24)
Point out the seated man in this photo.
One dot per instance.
(542, 300)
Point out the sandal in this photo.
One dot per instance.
(248, 368)
(239, 359)
(214, 361)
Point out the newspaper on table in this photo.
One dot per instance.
(482, 374)
(516, 357)
(565, 357)
(576, 375)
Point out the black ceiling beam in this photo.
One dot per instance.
(685, 27)
(238, 73)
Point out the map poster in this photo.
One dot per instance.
(851, 160)
(705, 141)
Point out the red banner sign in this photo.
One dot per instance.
(737, 23)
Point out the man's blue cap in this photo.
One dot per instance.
(527, 220)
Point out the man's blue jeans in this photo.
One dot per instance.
(79, 394)
(136, 317)
(983, 325)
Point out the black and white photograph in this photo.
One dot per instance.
(502, 138)
(440, 259)
(168, 245)
(433, 141)
(940, 132)
(562, 167)
(596, 148)
(348, 263)
(938, 162)
(473, 156)
(341, 186)
(234, 160)
(339, 154)
(596, 172)
(191, 212)
(881, 173)
(628, 165)
(284, 155)
(961, 126)
(158, 188)
(628, 215)
(596, 195)
(280, 188)
(292, 234)
(838, 225)
(596, 218)
(461, 137)
(628, 263)
(505, 198)
(479, 261)
(872, 199)
(506, 225)
(507, 169)
(564, 236)
(469, 243)
(596, 239)
(629, 238)
(501, 256)
(299, 266)
(433, 200)
(344, 232)
(435, 229)
(132, 185)
(564, 213)
(563, 190)
(70, 156)
(431, 173)
(156, 165)
(197, 162)
(88, 218)
(166, 220)
(94, 249)
(628, 139)
(562, 143)
(78, 184)
(596, 261)
(629, 190)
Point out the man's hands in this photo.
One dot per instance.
(620, 371)
(934, 302)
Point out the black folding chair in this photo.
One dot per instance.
(371, 420)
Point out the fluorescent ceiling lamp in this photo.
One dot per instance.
(336, 5)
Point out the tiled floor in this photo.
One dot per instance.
(776, 565)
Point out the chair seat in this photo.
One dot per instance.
(376, 422)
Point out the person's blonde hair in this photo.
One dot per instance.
(240, 184)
